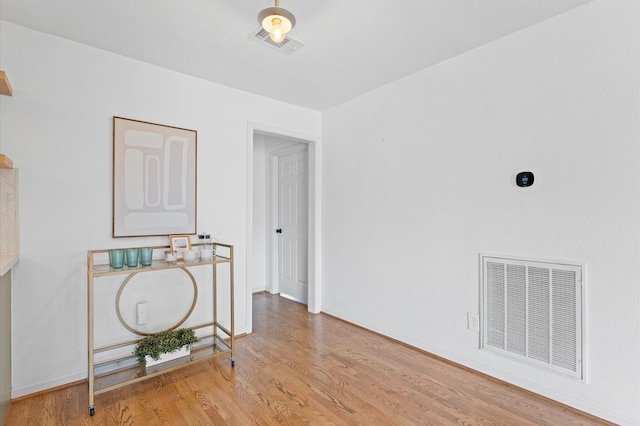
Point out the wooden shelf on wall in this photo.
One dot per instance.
(5, 86)
(5, 162)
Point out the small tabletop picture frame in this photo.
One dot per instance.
(179, 244)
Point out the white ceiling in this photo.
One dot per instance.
(350, 46)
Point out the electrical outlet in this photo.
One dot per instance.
(142, 313)
(473, 321)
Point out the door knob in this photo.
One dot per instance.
(279, 231)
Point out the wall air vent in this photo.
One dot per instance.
(532, 311)
(288, 46)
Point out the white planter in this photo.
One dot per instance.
(178, 353)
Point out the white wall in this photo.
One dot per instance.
(417, 183)
(57, 130)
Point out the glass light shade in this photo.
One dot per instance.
(277, 21)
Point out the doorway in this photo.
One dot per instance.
(266, 149)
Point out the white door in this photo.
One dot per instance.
(293, 226)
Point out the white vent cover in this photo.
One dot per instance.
(533, 311)
(288, 46)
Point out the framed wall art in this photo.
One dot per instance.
(154, 179)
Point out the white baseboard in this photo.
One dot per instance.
(18, 391)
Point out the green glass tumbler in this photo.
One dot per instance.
(116, 258)
(131, 257)
(146, 254)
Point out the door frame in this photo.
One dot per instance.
(314, 257)
(273, 204)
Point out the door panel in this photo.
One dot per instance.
(293, 196)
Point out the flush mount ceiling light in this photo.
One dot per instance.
(276, 21)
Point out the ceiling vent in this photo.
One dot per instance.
(288, 46)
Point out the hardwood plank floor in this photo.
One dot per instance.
(298, 368)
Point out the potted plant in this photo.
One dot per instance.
(176, 343)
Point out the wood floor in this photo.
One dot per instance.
(297, 368)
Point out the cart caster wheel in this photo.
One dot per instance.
(92, 411)
(233, 362)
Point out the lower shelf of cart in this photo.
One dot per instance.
(125, 371)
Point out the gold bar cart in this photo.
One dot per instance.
(123, 370)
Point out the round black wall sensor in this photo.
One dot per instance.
(524, 179)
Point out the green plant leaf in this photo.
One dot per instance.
(163, 342)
